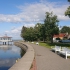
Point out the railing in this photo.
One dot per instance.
(5, 40)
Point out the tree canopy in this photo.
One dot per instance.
(42, 32)
(51, 25)
(32, 33)
(65, 29)
(67, 12)
(68, 0)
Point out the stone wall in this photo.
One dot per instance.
(26, 61)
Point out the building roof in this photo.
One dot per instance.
(5, 36)
(60, 35)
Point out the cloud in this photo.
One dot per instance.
(36, 12)
(9, 18)
(14, 32)
(29, 25)
(6, 31)
(33, 13)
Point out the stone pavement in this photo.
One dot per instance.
(48, 60)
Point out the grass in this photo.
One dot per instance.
(44, 44)
(49, 45)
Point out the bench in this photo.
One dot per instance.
(56, 48)
(65, 51)
(37, 43)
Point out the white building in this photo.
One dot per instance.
(5, 40)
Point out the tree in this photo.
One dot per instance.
(51, 26)
(65, 29)
(43, 33)
(37, 31)
(68, 0)
(27, 33)
(67, 12)
(31, 34)
(23, 31)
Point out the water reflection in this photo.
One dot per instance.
(5, 47)
(8, 56)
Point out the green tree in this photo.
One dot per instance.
(30, 34)
(67, 12)
(68, 0)
(23, 31)
(65, 29)
(43, 33)
(37, 31)
(51, 26)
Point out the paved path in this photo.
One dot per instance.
(48, 60)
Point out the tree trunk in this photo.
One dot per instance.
(51, 38)
(44, 40)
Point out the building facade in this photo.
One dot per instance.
(5, 40)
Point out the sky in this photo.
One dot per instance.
(14, 14)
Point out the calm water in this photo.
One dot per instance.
(8, 56)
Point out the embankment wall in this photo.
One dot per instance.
(26, 61)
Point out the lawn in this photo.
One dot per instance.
(49, 45)
(44, 44)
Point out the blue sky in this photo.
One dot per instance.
(17, 13)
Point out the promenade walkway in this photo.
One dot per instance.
(48, 60)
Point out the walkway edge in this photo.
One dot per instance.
(26, 61)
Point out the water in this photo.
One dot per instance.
(8, 56)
